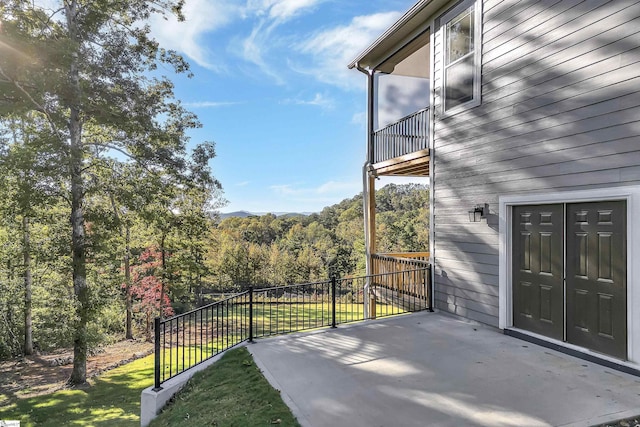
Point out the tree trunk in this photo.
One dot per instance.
(127, 267)
(81, 291)
(79, 374)
(26, 252)
(127, 281)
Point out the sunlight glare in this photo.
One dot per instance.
(487, 415)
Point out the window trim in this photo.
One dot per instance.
(477, 55)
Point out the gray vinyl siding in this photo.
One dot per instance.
(560, 111)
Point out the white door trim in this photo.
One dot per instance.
(632, 196)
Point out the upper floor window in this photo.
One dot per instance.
(460, 28)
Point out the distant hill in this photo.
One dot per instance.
(239, 214)
(245, 214)
(291, 214)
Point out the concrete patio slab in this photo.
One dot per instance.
(430, 369)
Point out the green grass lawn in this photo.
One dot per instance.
(177, 359)
(194, 340)
(232, 392)
(112, 400)
(284, 317)
(114, 397)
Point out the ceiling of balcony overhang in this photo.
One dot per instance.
(412, 60)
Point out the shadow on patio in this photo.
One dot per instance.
(429, 369)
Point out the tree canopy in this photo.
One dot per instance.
(295, 249)
(88, 71)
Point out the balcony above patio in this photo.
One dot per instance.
(402, 148)
(400, 96)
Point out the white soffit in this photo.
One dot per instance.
(408, 27)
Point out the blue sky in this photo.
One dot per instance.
(272, 89)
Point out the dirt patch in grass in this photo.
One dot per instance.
(112, 399)
(37, 375)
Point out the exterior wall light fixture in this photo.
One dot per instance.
(478, 212)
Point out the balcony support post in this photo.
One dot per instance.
(368, 184)
(371, 86)
(371, 215)
(369, 202)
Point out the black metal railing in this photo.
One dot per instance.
(186, 340)
(405, 136)
(291, 308)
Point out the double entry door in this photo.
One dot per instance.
(569, 273)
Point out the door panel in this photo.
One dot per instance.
(538, 293)
(596, 276)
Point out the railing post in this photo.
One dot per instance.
(156, 368)
(372, 306)
(428, 286)
(250, 313)
(333, 301)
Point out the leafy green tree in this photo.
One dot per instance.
(10, 343)
(282, 266)
(179, 216)
(91, 64)
(402, 220)
(27, 185)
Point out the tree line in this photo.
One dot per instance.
(270, 250)
(137, 268)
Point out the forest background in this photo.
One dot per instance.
(205, 258)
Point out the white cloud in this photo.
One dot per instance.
(209, 104)
(201, 17)
(280, 10)
(286, 9)
(324, 192)
(255, 47)
(285, 190)
(318, 100)
(332, 187)
(243, 183)
(359, 119)
(313, 198)
(331, 50)
(261, 42)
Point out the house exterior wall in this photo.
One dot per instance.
(560, 111)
